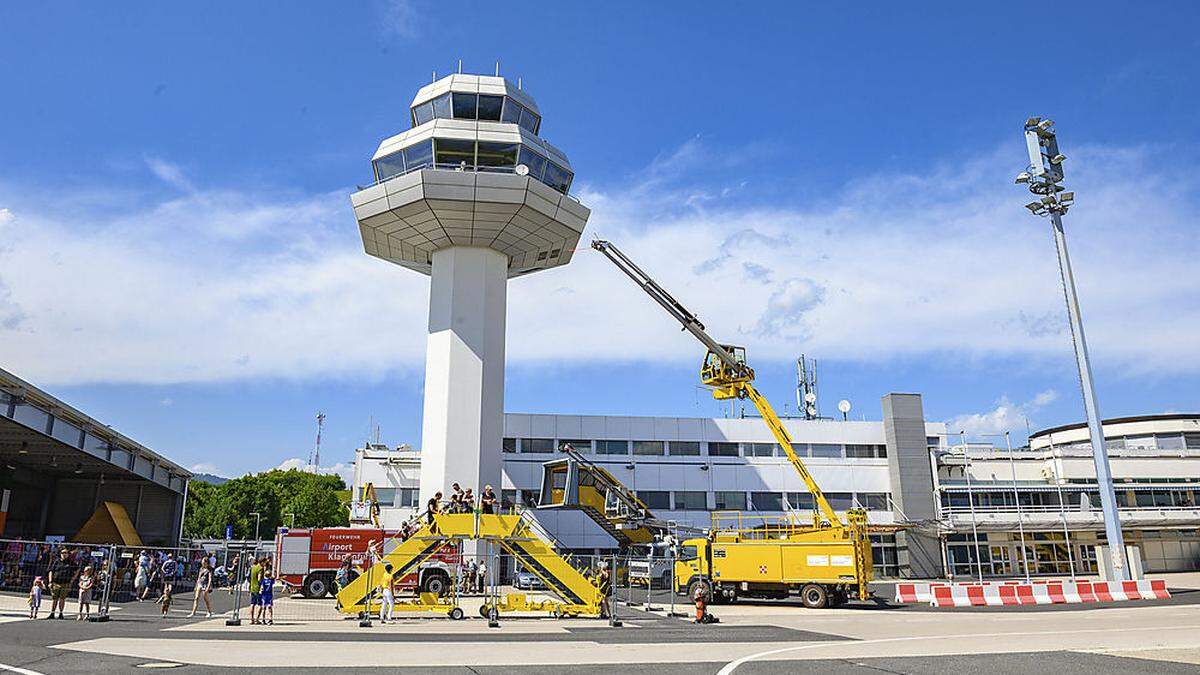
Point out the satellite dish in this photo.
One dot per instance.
(810, 397)
(522, 170)
(812, 409)
(844, 406)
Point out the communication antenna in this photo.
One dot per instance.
(806, 388)
(844, 407)
(315, 460)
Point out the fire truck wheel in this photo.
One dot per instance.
(456, 614)
(435, 583)
(814, 596)
(700, 584)
(315, 586)
(484, 609)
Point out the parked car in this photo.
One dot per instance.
(528, 581)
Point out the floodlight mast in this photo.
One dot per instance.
(1044, 176)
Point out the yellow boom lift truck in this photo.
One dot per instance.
(824, 559)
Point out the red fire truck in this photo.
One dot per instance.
(308, 559)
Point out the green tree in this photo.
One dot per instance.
(313, 498)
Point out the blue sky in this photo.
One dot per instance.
(178, 256)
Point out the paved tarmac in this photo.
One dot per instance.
(1158, 637)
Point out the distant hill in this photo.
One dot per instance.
(209, 478)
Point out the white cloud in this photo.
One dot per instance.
(218, 285)
(166, 402)
(399, 18)
(169, 173)
(1006, 416)
(346, 471)
(205, 467)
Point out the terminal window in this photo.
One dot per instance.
(655, 499)
(684, 448)
(612, 447)
(722, 449)
(510, 445)
(648, 447)
(826, 450)
(579, 444)
(691, 500)
(538, 445)
(800, 501)
(729, 501)
(766, 501)
(758, 449)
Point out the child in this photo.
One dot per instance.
(266, 599)
(86, 582)
(35, 597)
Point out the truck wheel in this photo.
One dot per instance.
(456, 614)
(814, 596)
(702, 584)
(484, 609)
(437, 584)
(315, 586)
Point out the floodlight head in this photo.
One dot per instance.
(1045, 125)
(1032, 122)
(1048, 200)
(1022, 177)
(1067, 196)
(1034, 207)
(1058, 159)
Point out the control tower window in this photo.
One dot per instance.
(499, 155)
(441, 107)
(392, 165)
(512, 111)
(465, 106)
(529, 121)
(422, 114)
(490, 107)
(417, 156)
(535, 162)
(557, 177)
(455, 154)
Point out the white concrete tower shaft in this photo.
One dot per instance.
(464, 371)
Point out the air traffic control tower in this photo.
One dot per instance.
(471, 196)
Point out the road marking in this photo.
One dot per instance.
(733, 665)
(21, 671)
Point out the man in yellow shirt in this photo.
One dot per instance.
(256, 575)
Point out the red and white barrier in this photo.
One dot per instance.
(1048, 593)
(922, 592)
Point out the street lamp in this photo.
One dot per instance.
(1044, 176)
(257, 520)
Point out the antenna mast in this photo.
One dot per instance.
(806, 388)
(316, 458)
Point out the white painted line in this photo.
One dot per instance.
(733, 665)
(21, 671)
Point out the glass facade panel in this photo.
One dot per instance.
(612, 447)
(465, 106)
(580, 445)
(874, 501)
(408, 497)
(32, 417)
(758, 449)
(691, 500)
(860, 451)
(441, 107)
(840, 501)
(512, 111)
(558, 177)
(730, 501)
(529, 121)
(95, 446)
(655, 499)
(503, 155)
(800, 501)
(509, 445)
(826, 450)
(391, 165)
(418, 155)
(538, 445)
(648, 448)
(454, 154)
(422, 114)
(801, 449)
(66, 432)
(684, 448)
(490, 107)
(766, 501)
(385, 496)
(722, 449)
(1169, 441)
(535, 162)
(1192, 441)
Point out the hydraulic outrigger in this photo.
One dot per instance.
(726, 373)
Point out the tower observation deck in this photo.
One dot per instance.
(472, 196)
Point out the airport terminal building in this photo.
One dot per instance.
(684, 469)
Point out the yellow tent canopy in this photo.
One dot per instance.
(110, 524)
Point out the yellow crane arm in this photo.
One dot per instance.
(785, 441)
